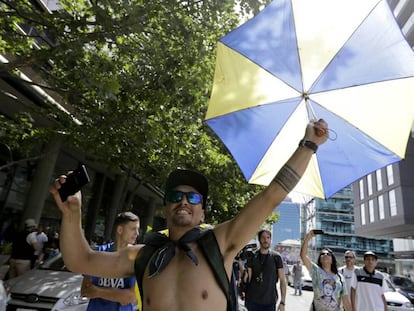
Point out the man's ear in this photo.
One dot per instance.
(203, 217)
(119, 230)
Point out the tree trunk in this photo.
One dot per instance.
(38, 191)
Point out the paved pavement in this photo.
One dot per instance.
(297, 303)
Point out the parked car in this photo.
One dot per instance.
(51, 286)
(306, 280)
(395, 300)
(404, 285)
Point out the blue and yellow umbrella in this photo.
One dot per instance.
(345, 61)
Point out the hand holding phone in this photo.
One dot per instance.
(74, 182)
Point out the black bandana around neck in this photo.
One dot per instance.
(166, 252)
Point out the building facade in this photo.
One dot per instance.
(288, 224)
(335, 216)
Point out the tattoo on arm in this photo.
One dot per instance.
(287, 178)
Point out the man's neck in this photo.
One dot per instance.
(175, 232)
(120, 244)
(369, 271)
(264, 250)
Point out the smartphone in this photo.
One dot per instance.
(317, 231)
(74, 182)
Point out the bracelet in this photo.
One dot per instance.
(282, 303)
(309, 144)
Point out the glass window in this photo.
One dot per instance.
(393, 203)
(369, 184)
(361, 189)
(390, 175)
(379, 180)
(371, 210)
(362, 214)
(381, 207)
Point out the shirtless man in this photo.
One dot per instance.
(182, 285)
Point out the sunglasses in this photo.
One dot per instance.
(349, 257)
(326, 254)
(176, 196)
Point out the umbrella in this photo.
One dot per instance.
(345, 61)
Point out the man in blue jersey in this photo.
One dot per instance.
(114, 294)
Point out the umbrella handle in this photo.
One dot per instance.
(309, 108)
(328, 132)
(312, 115)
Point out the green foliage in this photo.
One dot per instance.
(272, 219)
(137, 75)
(20, 135)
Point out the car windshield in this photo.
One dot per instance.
(55, 263)
(402, 281)
(391, 287)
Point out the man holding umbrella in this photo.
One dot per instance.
(178, 276)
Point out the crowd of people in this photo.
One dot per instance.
(190, 257)
(22, 250)
(28, 247)
(346, 287)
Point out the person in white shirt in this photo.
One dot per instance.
(368, 286)
(42, 238)
(348, 269)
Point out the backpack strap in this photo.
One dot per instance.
(152, 242)
(141, 263)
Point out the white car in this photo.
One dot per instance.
(51, 286)
(306, 280)
(397, 301)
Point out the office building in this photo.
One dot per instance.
(288, 225)
(336, 218)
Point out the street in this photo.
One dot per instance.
(296, 303)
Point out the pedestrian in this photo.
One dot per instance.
(297, 277)
(286, 269)
(368, 286)
(348, 269)
(329, 288)
(114, 294)
(42, 239)
(24, 245)
(265, 269)
(238, 270)
(178, 275)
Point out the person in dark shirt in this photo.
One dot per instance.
(23, 250)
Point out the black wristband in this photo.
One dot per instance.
(309, 144)
(282, 303)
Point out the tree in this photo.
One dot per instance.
(135, 77)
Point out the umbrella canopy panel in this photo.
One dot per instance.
(346, 61)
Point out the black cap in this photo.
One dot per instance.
(181, 177)
(370, 253)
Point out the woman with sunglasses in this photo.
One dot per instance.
(329, 288)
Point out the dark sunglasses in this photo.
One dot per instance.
(349, 257)
(177, 196)
(326, 254)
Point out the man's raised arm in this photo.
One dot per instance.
(233, 235)
(76, 252)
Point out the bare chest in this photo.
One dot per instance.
(183, 286)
